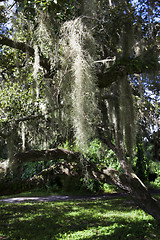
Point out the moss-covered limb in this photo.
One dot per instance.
(129, 183)
(62, 168)
(147, 62)
(59, 170)
(72, 162)
(141, 196)
(24, 48)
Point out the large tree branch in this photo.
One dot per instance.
(28, 118)
(46, 155)
(133, 185)
(24, 48)
(145, 63)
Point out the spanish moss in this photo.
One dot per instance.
(81, 93)
(127, 116)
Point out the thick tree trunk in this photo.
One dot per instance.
(144, 200)
(128, 181)
(131, 184)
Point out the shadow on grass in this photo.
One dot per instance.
(108, 219)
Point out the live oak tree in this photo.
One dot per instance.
(73, 70)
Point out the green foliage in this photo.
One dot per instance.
(61, 9)
(30, 169)
(154, 169)
(3, 18)
(68, 145)
(90, 186)
(95, 151)
(16, 102)
(141, 166)
(103, 156)
(74, 220)
(107, 188)
(157, 182)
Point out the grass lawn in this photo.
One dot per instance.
(108, 219)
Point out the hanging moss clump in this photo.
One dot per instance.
(79, 82)
(127, 116)
(121, 117)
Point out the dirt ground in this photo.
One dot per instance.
(62, 198)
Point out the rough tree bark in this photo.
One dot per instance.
(46, 155)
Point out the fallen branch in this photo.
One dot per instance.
(46, 155)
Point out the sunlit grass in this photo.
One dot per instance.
(107, 219)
